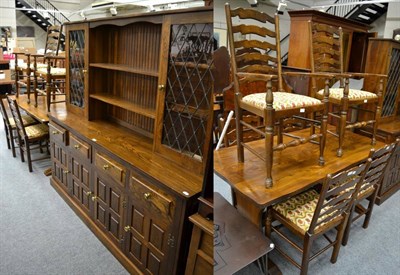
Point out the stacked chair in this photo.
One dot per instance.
(24, 71)
(36, 134)
(327, 56)
(256, 57)
(49, 76)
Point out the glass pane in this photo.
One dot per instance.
(189, 88)
(76, 67)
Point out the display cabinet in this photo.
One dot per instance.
(129, 155)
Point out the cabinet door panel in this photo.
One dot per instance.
(80, 177)
(147, 238)
(108, 200)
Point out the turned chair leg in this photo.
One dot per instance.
(28, 86)
(48, 95)
(239, 130)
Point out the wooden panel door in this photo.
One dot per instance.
(147, 239)
(150, 240)
(60, 165)
(80, 184)
(108, 207)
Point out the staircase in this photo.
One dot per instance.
(42, 12)
(364, 13)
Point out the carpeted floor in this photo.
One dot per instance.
(39, 233)
(371, 251)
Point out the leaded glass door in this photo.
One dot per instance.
(77, 39)
(188, 98)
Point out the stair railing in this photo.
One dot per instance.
(343, 11)
(54, 15)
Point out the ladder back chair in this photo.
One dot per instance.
(310, 215)
(255, 57)
(29, 135)
(9, 125)
(327, 56)
(49, 69)
(370, 187)
(24, 70)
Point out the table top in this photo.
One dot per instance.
(40, 112)
(294, 169)
(237, 243)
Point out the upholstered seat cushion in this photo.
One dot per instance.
(337, 93)
(26, 120)
(282, 101)
(53, 71)
(299, 210)
(38, 65)
(36, 131)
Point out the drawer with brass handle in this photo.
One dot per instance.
(79, 147)
(58, 134)
(110, 167)
(155, 199)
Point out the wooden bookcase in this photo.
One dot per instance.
(130, 154)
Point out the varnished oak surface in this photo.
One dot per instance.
(293, 169)
(134, 149)
(40, 112)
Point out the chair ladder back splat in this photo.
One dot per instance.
(369, 189)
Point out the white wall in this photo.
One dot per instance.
(392, 19)
(7, 18)
(40, 34)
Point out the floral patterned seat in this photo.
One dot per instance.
(282, 101)
(299, 210)
(337, 93)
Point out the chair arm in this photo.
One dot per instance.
(54, 57)
(251, 77)
(321, 75)
(351, 74)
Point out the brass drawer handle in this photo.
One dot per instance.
(88, 194)
(161, 87)
(55, 132)
(94, 198)
(65, 172)
(77, 146)
(127, 228)
(147, 196)
(106, 167)
(84, 71)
